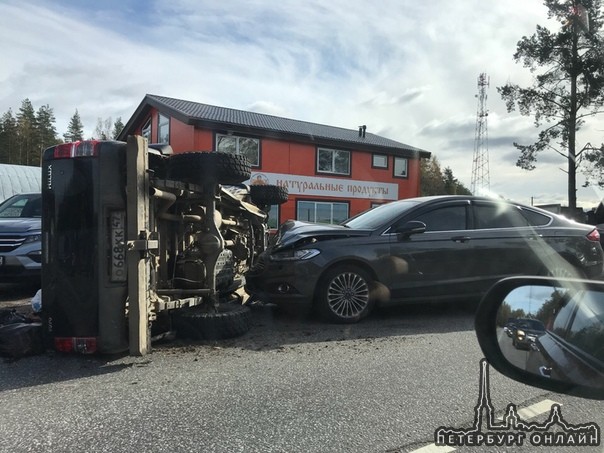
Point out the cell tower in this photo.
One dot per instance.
(480, 162)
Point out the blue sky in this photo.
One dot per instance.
(529, 298)
(406, 69)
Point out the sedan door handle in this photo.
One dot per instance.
(461, 239)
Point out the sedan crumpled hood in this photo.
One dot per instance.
(294, 231)
(24, 225)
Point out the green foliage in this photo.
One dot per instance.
(435, 181)
(8, 138)
(118, 127)
(24, 137)
(75, 129)
(27, 133)
(552, 306)
(47, 132)
(594, 165)
(568, 84)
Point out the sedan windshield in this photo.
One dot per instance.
(380, 216)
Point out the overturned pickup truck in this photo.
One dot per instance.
(139, 242)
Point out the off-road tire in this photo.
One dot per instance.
(158, 165)
(199, 167)
(201, 323)
(264, 195)
(345, 294)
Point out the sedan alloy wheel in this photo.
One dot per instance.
(346, 295)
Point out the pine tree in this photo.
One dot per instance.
(75, 130)
(568, 84)
(8, 138)
(118, 127)
(452, 184)
(435, 181)
(431, 179)
(27, 133)
(47, 132)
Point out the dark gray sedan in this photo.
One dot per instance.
(428, 248)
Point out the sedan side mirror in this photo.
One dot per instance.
(409, 228)
(546, 332)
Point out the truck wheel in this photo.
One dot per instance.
(345, 294)
(263, 195)
(202, 323)
(157, 164)
(199, 167)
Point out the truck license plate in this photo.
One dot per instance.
(117, 222)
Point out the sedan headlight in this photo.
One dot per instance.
(292, 255)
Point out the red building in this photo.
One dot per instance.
(331, 173)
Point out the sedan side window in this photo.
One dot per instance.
(498, 215)
(535, 218)
(448, 218)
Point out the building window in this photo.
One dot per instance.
(245, 146)
(146, 130)
(163, 129)
(333, 161)
(400, 167)
(379, 161)
(322, 212)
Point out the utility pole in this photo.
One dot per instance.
(480, 161)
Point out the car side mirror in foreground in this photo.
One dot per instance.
(546, 332)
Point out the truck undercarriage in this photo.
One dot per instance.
(176, 234)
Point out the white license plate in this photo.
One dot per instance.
(117, 222)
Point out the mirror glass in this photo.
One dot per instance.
(554, 332)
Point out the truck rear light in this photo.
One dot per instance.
(77, 149)
(63, 151)
(82, 345)
(594, 235)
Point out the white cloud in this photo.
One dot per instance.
(407, 70)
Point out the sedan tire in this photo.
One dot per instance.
(345, 294)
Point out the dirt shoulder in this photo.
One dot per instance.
(17, 296)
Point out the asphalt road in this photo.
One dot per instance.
(290, 385)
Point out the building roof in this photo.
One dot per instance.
(16, 179)
(222, 118)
